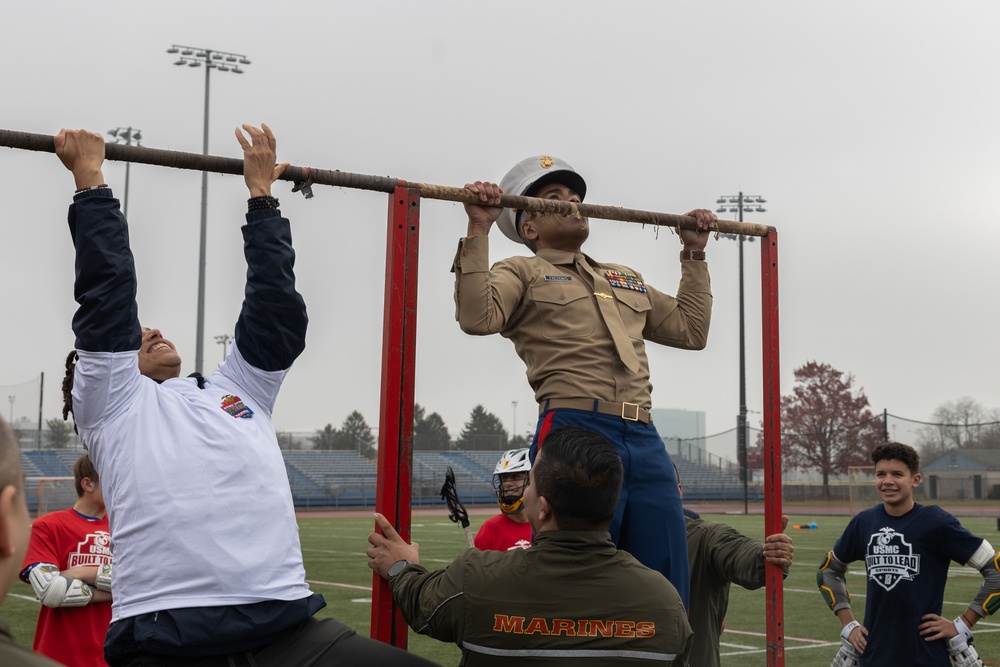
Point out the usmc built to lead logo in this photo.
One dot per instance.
(891, 559)
(93, 549)
(235, 407)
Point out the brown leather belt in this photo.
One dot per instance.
(627, 411)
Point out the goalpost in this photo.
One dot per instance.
(55, 493)
(861, 487)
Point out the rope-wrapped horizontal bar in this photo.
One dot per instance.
(224, 165)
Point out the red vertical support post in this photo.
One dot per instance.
(395, 432)
(772, 445)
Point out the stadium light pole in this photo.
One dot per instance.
(126, 135)
(737, 204)
(224, 62)
(513, 430)
(223, 340)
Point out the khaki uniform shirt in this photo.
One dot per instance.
(548, 309)
(718, 555)
(572, 596)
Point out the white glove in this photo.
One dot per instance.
(57, 590)
(964, 635)
(960, 647)
(103, 580)
(847, 656)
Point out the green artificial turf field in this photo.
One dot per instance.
(336, 565)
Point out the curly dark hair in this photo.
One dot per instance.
(898, 452)
(67, 386)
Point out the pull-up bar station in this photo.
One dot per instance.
(395, 446)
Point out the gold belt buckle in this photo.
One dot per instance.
(635, 412)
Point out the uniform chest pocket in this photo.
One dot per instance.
(564, 309)
(634, 307)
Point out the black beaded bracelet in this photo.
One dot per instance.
(92, 187)
(262, 202)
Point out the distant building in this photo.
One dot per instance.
(960, 474)
(683, 424)
(683, 432)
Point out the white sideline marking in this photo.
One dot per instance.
(785, 648)
(368, 600)
(954, 571)
(761, 634)
(338, 585)
(813, 591)
(740, 646)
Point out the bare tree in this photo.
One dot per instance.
(960, 424)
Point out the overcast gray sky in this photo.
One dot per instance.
(870, 127)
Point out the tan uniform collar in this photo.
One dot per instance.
(554, 256)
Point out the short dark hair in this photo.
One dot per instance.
(580, 476)
(84, 468)
(898, 452)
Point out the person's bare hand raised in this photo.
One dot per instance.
(259, 155)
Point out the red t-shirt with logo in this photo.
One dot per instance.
(501, 533)
(71, 635)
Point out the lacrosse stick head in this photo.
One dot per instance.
(449, 492)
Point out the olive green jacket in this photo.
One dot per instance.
(12, 655)
(572, 596)
(718, 555)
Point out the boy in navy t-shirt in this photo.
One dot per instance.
(907, 549)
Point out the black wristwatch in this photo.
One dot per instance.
(398, 567)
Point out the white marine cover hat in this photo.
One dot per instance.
(528, 175)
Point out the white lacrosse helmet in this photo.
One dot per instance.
(526, 176)
(513, 460)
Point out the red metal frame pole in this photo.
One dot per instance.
(772, 445)
(395, 433)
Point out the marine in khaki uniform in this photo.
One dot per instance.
(572, 597)
(580, 327)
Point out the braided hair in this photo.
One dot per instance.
(67, 386)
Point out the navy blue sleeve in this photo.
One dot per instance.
(271, 331)
(955, 540)
(848, 549)
(107, 319)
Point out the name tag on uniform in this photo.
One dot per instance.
(623, 280)
(558, 279)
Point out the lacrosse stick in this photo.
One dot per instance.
(456, 510)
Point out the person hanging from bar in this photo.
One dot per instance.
(579, 326)
(208, 564)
